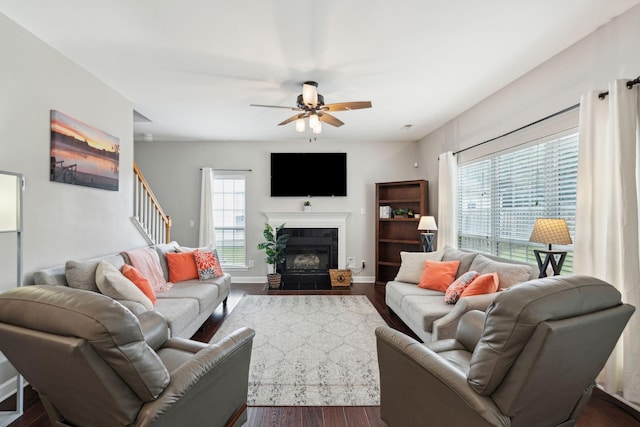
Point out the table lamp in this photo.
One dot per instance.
(427, 223)
(550, 231)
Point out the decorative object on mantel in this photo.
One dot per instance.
(83, 155)
(550, 231)
(11, 188)
(274, 247)
(307, 206)
(427, 223)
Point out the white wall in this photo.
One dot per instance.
(611, 52)
(173, 171)
(61, 221)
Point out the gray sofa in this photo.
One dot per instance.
(425, 312)
(185, 306)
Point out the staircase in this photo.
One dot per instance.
(148, 216)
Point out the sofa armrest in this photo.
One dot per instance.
(439, 393)
(446, 326)
(209, 389)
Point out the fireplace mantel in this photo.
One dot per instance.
(315, 220)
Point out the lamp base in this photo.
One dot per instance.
(555, 259)
(427, 241)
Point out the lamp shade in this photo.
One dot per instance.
(551, 231)
(9, 202)
(427, 223)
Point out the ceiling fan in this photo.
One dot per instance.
(311, 106)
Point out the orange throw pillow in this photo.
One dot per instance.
(133, 274)
(438, 275)
(182, 266)
(483, 284)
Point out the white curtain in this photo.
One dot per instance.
(447, 200)
(606, 236)
(207, 235)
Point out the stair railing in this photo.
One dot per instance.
(148, 215)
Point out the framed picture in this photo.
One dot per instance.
(82, 154)
(385, 211)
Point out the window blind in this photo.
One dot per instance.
(501, 195)
(229, 219)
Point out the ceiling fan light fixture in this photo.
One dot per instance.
(310, 94)
(314, 121)
(300, 125)
(317, 129)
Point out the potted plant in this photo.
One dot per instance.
(274, 247)
(307, 206)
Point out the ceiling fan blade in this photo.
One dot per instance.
(310, 94)
(346, 106)
(291, 119)
(329, 119)
(275, 106)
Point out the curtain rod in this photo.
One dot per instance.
(630, 84)
(573, 107)
(232, 170)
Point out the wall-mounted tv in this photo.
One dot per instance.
(308, 174)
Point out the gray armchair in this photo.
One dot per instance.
(531, 360)
(96, 364)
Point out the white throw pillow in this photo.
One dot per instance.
(412, 265)
(509, 274)
(114, 284)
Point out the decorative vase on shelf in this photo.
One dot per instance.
(307, 206)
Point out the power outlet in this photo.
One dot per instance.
(351, 262)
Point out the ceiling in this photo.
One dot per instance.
(193, 67)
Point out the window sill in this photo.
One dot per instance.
(228, 268)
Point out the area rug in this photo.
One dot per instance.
(310, 350)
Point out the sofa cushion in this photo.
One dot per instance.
(81, 275)
(207, 264)
(412, 265)
(483, 284)
(114, 284)
(425, 309)
(452, 295)
(396, 291)
(132, 273)
(509, 274)
(162, 249)
(438, 275)
(465, 258)
(204, 294)
(182, 266)
(179, 312)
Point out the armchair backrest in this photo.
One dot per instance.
(102, 367)
(543, 344)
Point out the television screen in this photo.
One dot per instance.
(308, 174)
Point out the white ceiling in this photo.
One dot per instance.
(194, 66)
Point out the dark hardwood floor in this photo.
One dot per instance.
(602, 409)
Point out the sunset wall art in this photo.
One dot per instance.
(82, 154)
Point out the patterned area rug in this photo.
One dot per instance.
(311, 350)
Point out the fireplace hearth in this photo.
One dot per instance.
(309, 255)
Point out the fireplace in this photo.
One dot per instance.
(335, 257)
(309, 255)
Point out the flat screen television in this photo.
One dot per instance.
(308, 174)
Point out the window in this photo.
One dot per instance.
(229, 219)
(500, 197)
